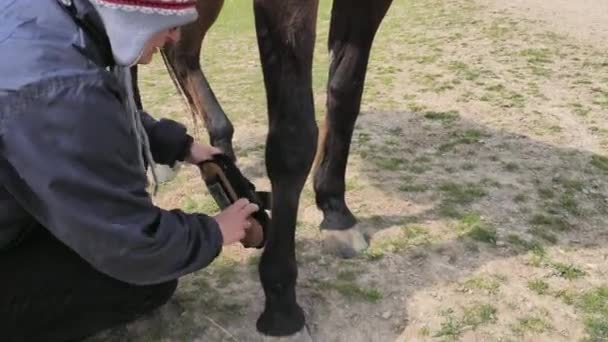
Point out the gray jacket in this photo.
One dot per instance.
(69, 156)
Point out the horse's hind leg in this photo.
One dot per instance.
(183, 62)
(286, 34)
(353, 27)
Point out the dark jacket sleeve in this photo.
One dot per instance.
(73, 165)
(169, 140)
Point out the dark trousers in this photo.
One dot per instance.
(48, 293)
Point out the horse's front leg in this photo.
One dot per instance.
(286, 34)
(183, 62)
(353, 26)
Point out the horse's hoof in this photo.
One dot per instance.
(281, 322)
(338, 219)
(344, 243)
(301, 336)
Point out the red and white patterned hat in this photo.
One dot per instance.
(130, 24)
(165, 7)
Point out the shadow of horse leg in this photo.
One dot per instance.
(286, 34)
(354, 24)
(183, 62)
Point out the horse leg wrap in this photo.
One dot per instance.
(227, 184)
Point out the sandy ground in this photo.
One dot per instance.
(476, 169)
(584, 20)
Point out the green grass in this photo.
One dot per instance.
(409, 235)
(600, 162)
(543, 233)
(444, 117)
(538, 286)
(521, 198)
(534, 246)
(511, 167)
(457, 196)
(486, 283)
(471, 225)
(466, 137)
(594, 305)
(474, 316)
(553, 222)
(351, 290)
(479, 314)
(465, 71)
(413, 187)
(532, 324)
(567, 271)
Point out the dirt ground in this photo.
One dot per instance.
(582, 19)
(479, 168)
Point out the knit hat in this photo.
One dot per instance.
(129, 24)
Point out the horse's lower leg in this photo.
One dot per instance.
(286, 34)
(183, 60)
(353, 26)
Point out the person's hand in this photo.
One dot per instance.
(233, 220)
(199, 153)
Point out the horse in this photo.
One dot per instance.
(295, 146)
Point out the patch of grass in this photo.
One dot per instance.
(465, 71)
(511, 167)
(450, 329)
(444, 117)
(424, 331)
(579, 109)
(413, 188)
(468, 166)
(352, 184)
(520, 198)
(490, 284)
(594, 305)
(537, 56)
(471, 225)
(479, 314)
(351, 290)
(473, 317)
(467, 137)
(391, 164)
(543, 233)
(462, 193)
(458, 195)
(224, 268)
(347, 275)
(595, 301)
(416, 107)
(569, 184)
(419, 168)
(567, 271)
(534, 246)
(568, 202)
(536, 325)
(538, 286)
(596, 328)
(552, 221)
(568, 296)
(600, 162)
(410, 235)
(546, 193)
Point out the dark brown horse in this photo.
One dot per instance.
(286, 33)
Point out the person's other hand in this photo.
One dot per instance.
(233, 220)
(199, 153)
